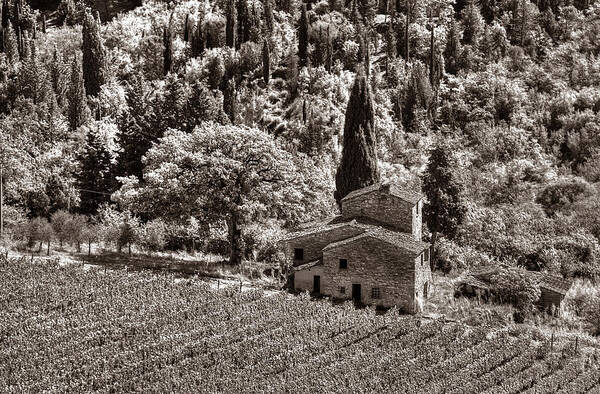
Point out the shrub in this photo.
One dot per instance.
(14, 218)
(153, 236)
(517, 288)
(583, 300)
(557, 197)
(261, 243)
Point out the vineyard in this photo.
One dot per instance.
(68, 329)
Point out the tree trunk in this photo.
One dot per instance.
(129, 248)
(409, 9)
(235, 255)
(48, 249)
(61, 243)
(78, 247)
(41, 245)
(89, 248)
(1, 203)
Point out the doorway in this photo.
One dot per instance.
(356, 292)
(317, 284)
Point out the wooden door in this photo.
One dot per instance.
(316, 284)
(356, 292)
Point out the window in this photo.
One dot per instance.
(422, 259)
(343, 264)
(375, 293)
(427, 254)
(342, 290)
(298, 254)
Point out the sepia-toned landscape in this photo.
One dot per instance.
(286, 196)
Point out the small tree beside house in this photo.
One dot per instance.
(444, 210)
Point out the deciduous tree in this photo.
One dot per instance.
(222, 173)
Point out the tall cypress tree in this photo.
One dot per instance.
(452, 50)
(136, 128)
(31, 75)
(329, 52)
(93, 55)
(94, 177)
(358, 167)
(186, 28)
(231, 24)
(5, 14)
(244, 20)
(303, 37)
(167, 51)
(229, 102)
(418, 97)
(78, 111)
(472, 21)
(266, 58)
(56, 75)
(11, 45)
(268, 15)
(197, 40)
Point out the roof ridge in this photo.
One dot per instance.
(391, 188)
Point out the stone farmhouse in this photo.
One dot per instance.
(371, 253)
(553, 288)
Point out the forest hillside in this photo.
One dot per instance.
(220, 124)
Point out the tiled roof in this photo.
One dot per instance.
(328, 225)
(308, 265)
(394, 190)
(552, 282)
(398, 239)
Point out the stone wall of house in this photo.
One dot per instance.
(417, 220)
(304, 279)
(371, 263)
(422, 276)
(384, 208)
(313, 244)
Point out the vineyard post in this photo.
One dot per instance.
(1, 204)
(576, 343)
(218, 284)
(552, 342)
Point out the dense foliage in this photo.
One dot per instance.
(74, 329)
(510, 86)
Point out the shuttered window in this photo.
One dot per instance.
(375, 293)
